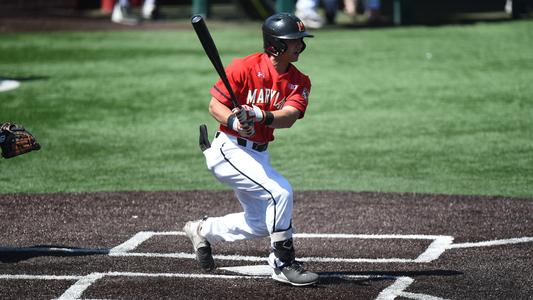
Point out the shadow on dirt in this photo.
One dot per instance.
(363, 278)
(15, 255)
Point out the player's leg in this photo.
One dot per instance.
(201, 246)
(235, 227)
(150, 10)
(232, 227)
(243, 170)
(282, 258)
(122, 13)
(251, 175)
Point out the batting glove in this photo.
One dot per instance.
(246, 114)
(245, 129)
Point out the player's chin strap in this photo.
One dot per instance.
(276, 51)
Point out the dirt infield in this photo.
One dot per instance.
(363, 245)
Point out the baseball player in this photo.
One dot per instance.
(122, 12)
(271, 94)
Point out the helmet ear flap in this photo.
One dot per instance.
(271, 50)
(274, 46)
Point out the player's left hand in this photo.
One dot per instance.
(244, 129)
(249, 114)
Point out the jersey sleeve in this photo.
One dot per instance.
(299, 98)
(235, 74)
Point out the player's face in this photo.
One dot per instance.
(294, 47)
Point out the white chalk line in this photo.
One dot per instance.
(397, 289)
(368, 236)
(183, 255)
(435, 249)
(492, 243)
(39, 277)
(75, 291)
(82, 283)
(439, 244)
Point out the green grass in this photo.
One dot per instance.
(416, 109)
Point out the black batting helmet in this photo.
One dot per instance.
(279, 27)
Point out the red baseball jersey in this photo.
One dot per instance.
(254, 80)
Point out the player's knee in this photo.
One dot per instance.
(258, 228)
(284, 194)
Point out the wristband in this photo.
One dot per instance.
(269, 118)
(231, 121)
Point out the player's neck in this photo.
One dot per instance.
(280, 65)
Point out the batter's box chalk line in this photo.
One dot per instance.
(397, 289)
(76, 290)
(438, 245)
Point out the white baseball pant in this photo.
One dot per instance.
(265, 195)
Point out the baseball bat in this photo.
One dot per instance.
(211, 50)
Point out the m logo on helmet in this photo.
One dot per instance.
(301, 26)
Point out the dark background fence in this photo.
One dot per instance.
(401, 11)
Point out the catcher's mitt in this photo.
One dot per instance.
(15, 140)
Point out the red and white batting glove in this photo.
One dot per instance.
(245, 130)
(246, 114)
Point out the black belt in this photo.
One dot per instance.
(244, 143)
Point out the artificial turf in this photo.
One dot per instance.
(444, 109)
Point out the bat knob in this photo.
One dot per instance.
(195, 19)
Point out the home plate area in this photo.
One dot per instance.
(248, 269)
(380, 246)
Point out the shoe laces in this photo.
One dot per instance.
(297, 266)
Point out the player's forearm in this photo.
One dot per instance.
(219, 111)
(285, 117)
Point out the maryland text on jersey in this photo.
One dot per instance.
(265, 96)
